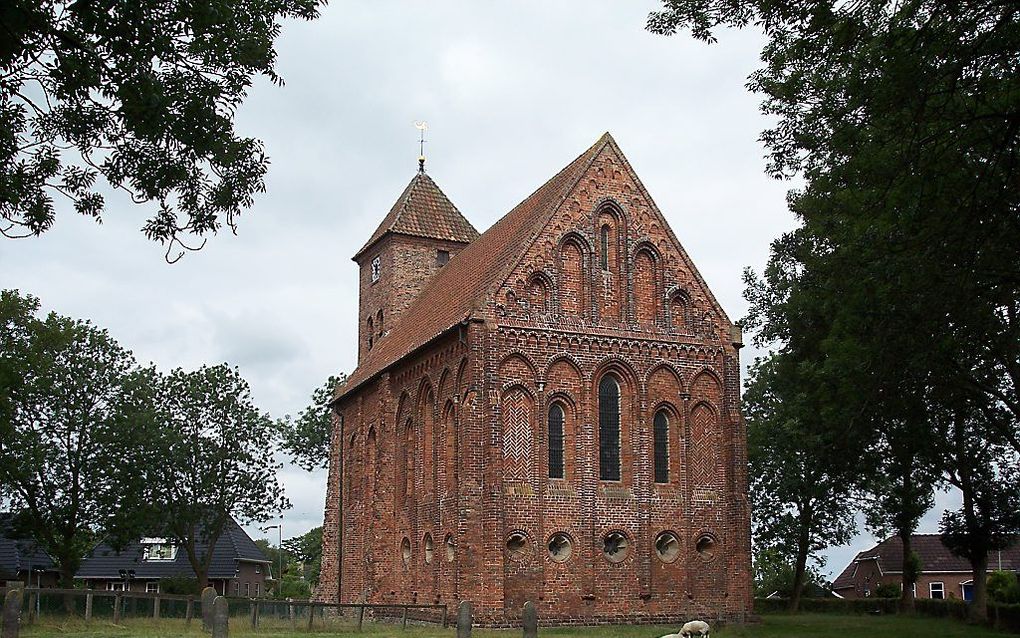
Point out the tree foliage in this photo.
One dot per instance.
(307, 549)
(71, 425)
(213, 460)
(307, 437)
(903, 120)
(142, 93)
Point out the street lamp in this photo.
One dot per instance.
(279, 550)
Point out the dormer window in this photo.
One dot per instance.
(376, 269)
(157, 549)
(442, 257)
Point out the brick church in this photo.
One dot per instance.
(546, 411)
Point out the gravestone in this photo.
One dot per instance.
(208, 596)
(530, 620)
(464, 620)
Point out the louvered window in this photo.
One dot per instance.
(556, 441)
(661, 435)
(609, 429)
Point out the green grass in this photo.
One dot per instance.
(772, 626)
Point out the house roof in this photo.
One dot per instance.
(18, 553)
(935, 558)
(462, 286)
(423, 210)
(233, 545)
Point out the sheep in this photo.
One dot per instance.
(693, 628)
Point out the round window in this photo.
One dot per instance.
(615, 546)
(451, 546)
(706, 547)
(517, 545)
(405, 551)
(667, 547)
(560, 547)
(430, 549)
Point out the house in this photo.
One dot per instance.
(238, 568)
(22, 559)
(943, 575)
(548, 411)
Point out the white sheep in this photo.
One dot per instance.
(693, 628)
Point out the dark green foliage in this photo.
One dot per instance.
(180, 584)
(888, 590)
(71, 428)
(1003, 587)
(307, 437)
(144, 94)
(307, 549)
(213, 459)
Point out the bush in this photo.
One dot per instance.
(1003, 587)
(888, 590)
(180, 584)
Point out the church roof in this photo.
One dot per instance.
(423, 210)
(464, 283)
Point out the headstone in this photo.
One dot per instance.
(530, 620)
(220, 617)
(12, 613)
(464, 620)
(208, 596)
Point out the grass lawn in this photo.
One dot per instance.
(772, 626)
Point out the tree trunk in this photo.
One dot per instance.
(800, 569)
(907, 605)
(66, 582)
(978, 610)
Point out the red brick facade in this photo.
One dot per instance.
(440, 486)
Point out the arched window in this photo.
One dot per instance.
(660, 428)
(408, 460)
(556, 441)
(371, 333)
(379, 321)
(609, 429)
(604, 247)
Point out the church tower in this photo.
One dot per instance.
(417, 237)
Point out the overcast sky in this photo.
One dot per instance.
(512, 92)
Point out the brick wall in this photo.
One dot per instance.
(563, 320)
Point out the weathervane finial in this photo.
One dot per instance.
(422, 126)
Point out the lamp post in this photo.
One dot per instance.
(279, 550)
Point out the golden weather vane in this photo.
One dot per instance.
(422, 126)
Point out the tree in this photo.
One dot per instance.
(903, 120)
(799, 479)
(142, 93)
(72, 426)
(307, 549)
(307, 438)
(213, 460)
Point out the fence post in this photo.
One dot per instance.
(208, 598)
(464, 620)
(530, 620)
(88, 606)
(220, 617)
(12, 613)
(311, 614)
(254, 610)
(361, 616)
(404, 619)
(189, 610)
(446, 616)
(33, 606)
(116, 608)
(155, 607)
(290, 613)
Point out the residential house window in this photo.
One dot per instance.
(661, 440)
(258, 589)
(258, 568)
(158, 549)
(152, 587)
(609, 429)
(937, 590)
(115, 586)
(556, 441)
(247, 590)
(237, 588)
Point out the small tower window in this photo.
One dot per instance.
(661, 441)
(442, 257)
(376, 269)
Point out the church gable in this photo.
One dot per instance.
(607, 257)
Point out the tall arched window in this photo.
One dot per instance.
(371, 333)
(379, 321)
(604, 247)
(609, 429)
(660, 427)
(556, 441)
(408, 460)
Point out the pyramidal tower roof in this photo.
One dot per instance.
(423, 210)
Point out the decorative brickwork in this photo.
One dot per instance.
(442, 442)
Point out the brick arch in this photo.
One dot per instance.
(680, 309)
(667, 368)
(517, 411)
(624, 374)
(540, 291)
(572, 288)
(571, 417)
(462, 375)
(620, 365)
(426, 423)
(449, 438)
(518, 367)
(705, 447)
(706, 382)
(564, 358)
